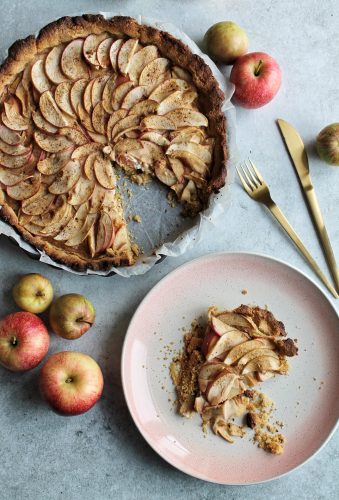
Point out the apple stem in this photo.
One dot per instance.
(14, 340)
(69, 380)
(258, 68)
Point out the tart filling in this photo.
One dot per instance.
(89, 95)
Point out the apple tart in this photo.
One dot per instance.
(84, 98)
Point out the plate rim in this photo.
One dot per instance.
(124, 368)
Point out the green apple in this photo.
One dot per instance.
(71, 316)
(328, 144)
(33, 293)
(225, 42)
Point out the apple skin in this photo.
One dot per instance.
(328, 144)
(71, 382)
(24, 341)
(257, 79)
(33, 293)
(225, 42)
(71, 316)
(210, 339)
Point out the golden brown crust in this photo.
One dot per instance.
(68, 28)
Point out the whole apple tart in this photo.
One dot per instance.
(88, 96)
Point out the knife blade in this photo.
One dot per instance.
(298, 155)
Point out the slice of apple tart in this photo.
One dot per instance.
(215, 373)
(88, 95)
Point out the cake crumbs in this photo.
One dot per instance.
(244, 291)
(137, 218)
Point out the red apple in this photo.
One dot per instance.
(257, 79)
(71, 315)
(71, 382)
(24, 341)
(33, 293)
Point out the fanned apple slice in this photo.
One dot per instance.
(82, 191)
(154, 72)
(115, 117)
(107, 94)
(74, 225)
(103, 51)
(178, 99)
(104, 173)
(144, 108)
(66, 178)
(192, 160)
(166, 88)
(25, 189)
(105, 233)
(98, 88)
(155, 137)
(125, 55)
(24, 218)
(126, 145)
(53, 65)
(90, 48)
(43, 124)
(38, 203)
(121, 239)
(10, 161)
(158, 123)
(133, 96)
(60, 220)
(208, 372)
(225, 343)
(74, 135)
(187, 137)
(113, 53)
(97, 199)
(178, 168)
(11, 137)
(51, 143)
(256, 353)
(39, 78)
(197, 149)
(119, 93)
(164, 174)
(24, 98)
(56, 210)
(262, 364)
(87, 97)
(33, 228)
(85, 118)
(82, 233)
(131, 132)
(99, 119)
(85, 150)
(55, 162)
(62, 97)
(218, 391)
(11, 177)
(13, 119)
(140, 59)
(77, 92)
(178, 72)
(89, 165)
(91, 241)
(125, 123)
(51, 112)
(16, 150)
(187, 117)
(102, 139)
(72, 62)
(242, 349)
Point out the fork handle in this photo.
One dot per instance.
(278, 214)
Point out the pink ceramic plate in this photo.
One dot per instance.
(306, 400)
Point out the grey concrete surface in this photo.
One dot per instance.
(101, 455)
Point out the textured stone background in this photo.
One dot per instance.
(101, 455)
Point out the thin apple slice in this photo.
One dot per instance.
(154, 72)
(103, 51)
(72, 62)
(187, 117)
(77, 92)
(97, 199)
(119, 93)
(66, 178)
(82, 233)
(98, 88)
(114, 51)
(115, 117)
(16, 150)
(24, 218)
(144, 108)
(74, 225)
(158, 123)
(89, 165)
(168, 87)
(239, 320)
(90, 48)
(25, 189)
(85, 150)
(178, 99)
(39, 78)
(76, 136)
(178, 168)
(155, 137)
(10, 161)
(60, 219)
(225, 343)
(104, 173)
(11, 177)
(85, 118)
(91, 241)
(62, 97)
(125, 55)
(241, 350)
(11, 137)
(220, 388)
(53, 65)
(124, 146)
(192, 160)
(24, 98)
(107, 93)
(258, 352)
(99, 119)
(125, 123)
(202, 152)
(164, 174)
(43, 124)
(121, 239)
(219, 327)
(102, 139)
(51, 143)
(33, 228)
(262, 364)
(140, 59)
(39, 203)
(54, 163)
(178, 72)
(187, 137)
(133, 96)
(82, 191)
(13, 119)
(208, 372)
(87, 97)
(51, 112)
(105, 233)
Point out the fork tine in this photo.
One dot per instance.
(252, 184)
(260, 177)
(252, 174)
(243, 182)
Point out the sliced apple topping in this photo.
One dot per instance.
(51, 143)
(125, 55)
(187, 117)
(39, 203)
(119, 94)
(74, 225)
(105, 233)
(11, 177)
(144, 108)
(51, 112)
(103, 52)
(10, 136)
(66, 178)
(72, 62)
(14, 150)
(158, 123)
(12, 118)
(42, 124)
(202, 152)
(85, 150)
(177, 99)
(140, 60)
(124, 124)
(75, 135)
(82, 191)
(25, 189)
(163, 90)
(104, 173)
(133, 96)
(77, 92)
(10, 161)
(90, 48)
(39, 78)
(78, 237)
(98, 88)
(54, 163)
(107, 94)
(53, 65)
(113, 54)
(100, 119)
(154, 72)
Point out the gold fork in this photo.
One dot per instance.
(256, 188)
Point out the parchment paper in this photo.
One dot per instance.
(162, 231)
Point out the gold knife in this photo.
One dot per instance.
(296, 149)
